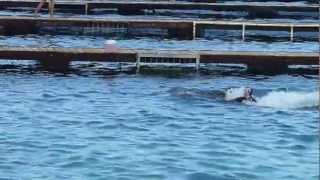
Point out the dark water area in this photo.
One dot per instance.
(67, 41)
(157, 127)
(293, 2)
(288, 17)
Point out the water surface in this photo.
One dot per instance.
(154, 127)
(66, 41)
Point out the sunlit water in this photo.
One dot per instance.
(157, 127)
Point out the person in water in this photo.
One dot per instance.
(247, 96)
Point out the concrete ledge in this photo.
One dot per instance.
(175, 5)
(180, 29)
(130, 55)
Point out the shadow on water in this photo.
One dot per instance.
(173, 71)
(80, 70)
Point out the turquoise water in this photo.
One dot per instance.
(55, 126)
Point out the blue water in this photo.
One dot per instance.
(151, 43)
(86, 124)
(153, 127)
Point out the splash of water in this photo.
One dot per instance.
(289, 100)
(278, 99)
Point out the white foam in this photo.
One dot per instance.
(234, 93)
(111, 42)
(289, 100)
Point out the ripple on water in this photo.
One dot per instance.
(205, 176)
(86, 128)
(94, 123)
(69, 146)
(309, 138)
(72, 164)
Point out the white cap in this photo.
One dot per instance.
(111, 42)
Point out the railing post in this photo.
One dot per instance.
(197, 62)
(243, 32)
(194, 31)
(291, 33)
(86, 8)
(138, 63)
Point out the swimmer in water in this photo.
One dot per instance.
(247, 96)
(242, 94)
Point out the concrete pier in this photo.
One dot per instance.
(86, 6)
(180, 29)
(256, 61)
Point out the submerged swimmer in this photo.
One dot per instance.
(240, 95)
